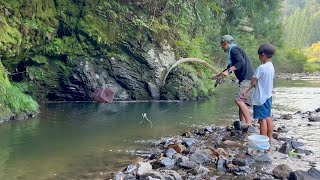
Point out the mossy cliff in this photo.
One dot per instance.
(65, 49)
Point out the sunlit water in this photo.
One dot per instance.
(81, 140)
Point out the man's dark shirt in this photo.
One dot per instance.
(242, 63)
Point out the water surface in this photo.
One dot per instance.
(82, 140)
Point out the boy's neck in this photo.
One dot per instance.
(267, 60)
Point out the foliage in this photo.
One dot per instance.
(302, 26)
(12, 100)
(289, 60)
(313, 62)
(45, 38)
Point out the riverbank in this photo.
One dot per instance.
(223, 153)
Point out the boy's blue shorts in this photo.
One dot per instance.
(263, 111)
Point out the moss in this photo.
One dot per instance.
(12, 100)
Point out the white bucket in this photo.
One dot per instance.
(259, 142)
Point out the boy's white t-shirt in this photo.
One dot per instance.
(263, 89)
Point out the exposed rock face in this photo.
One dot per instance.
(134, 77)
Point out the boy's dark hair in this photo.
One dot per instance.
(267, 49)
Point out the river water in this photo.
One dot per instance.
(83, 140)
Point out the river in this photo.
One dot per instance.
(83, 140)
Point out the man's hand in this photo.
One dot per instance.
(224, 74)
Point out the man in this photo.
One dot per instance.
(239, 63)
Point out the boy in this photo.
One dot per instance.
(262, 93)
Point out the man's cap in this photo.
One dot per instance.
(227, 38)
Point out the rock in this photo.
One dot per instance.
(300, 175)
(303, 151)
(286, 116)
(262, 157)
(143, 168)
(168, 162)
(318, 110)
(221, 164)
(252, 129)
(282, 129)
(314, 173)
(285, 148)
(187, 142)
(188, 164)
(152, 175)
(170, 152)
(282, 171)
(295, 144)
(251, 152)
(130, 168)
(229, 143)
(175, 175)
(186, 134)
(203, 170)
(314, 118)
(122, 176)
(177, 147)
(239, 162)
(200, 156)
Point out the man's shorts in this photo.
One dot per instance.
(243, 87)
(263, 111)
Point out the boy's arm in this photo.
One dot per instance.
(253, 84)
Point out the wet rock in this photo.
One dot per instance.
(156, 165)
(314, 118)
(314, 173)
(235, 133)
(241, 171)
(186, 134)
(130, 168)
(300, 175)
(318, 110)
(187, 142)
(303, 151)
(143, 168)
(239, 162)
(282, 171)
(285, 148)
(282, 129)
(209, 129)
(286, 116)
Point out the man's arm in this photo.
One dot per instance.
(238, 58)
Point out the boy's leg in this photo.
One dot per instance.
(263, 127)
(270, 128)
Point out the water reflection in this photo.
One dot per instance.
(76, 140)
